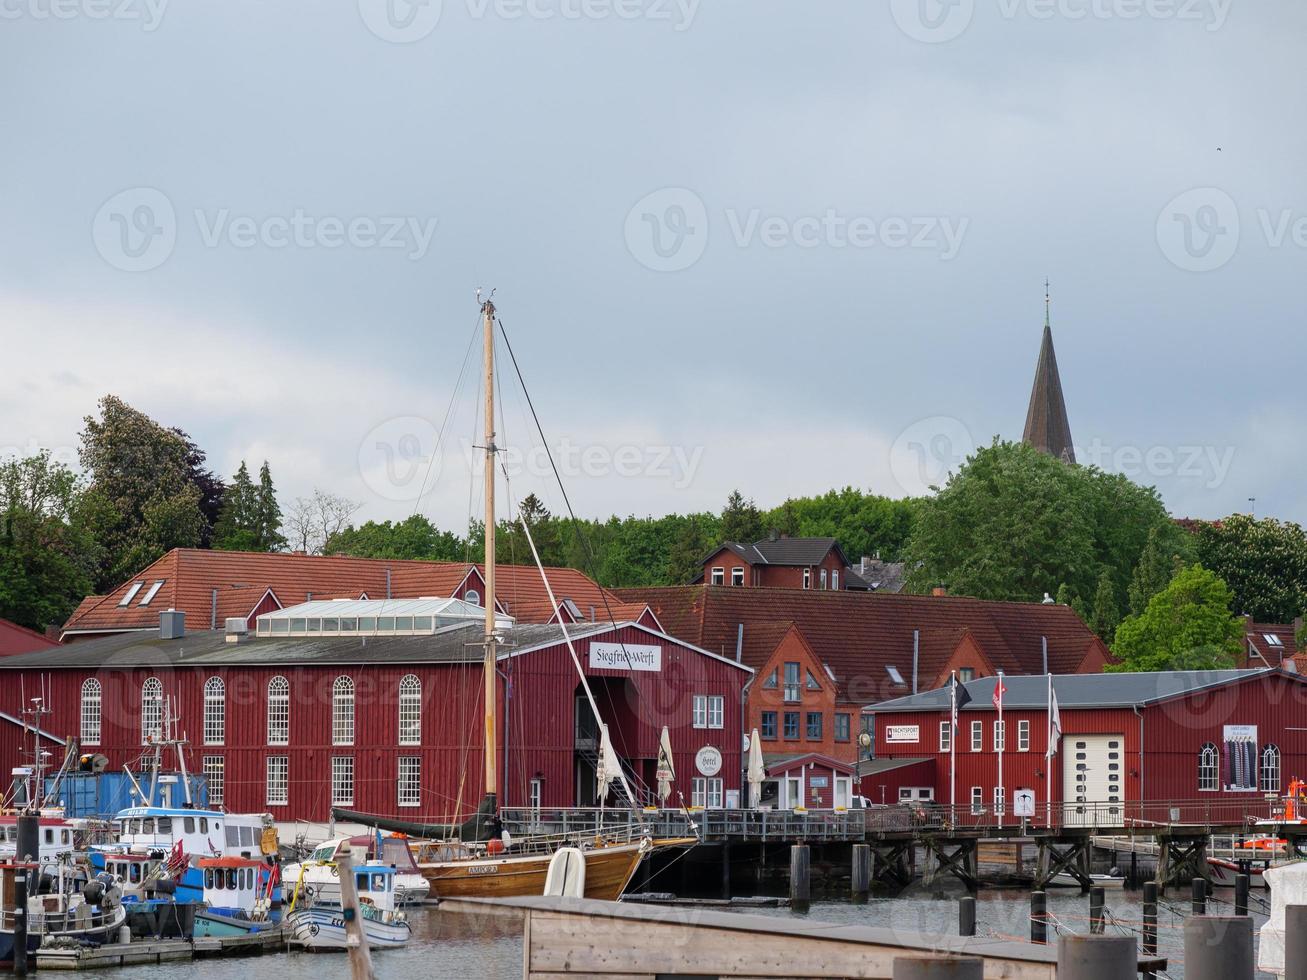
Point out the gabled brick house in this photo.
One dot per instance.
(778, 561)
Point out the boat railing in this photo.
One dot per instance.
(83, 918)
(704, 824)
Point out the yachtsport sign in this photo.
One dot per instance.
(626, 656)
(903, 733)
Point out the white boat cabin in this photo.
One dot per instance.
(207, 832)
(54, 837)
(233, 883)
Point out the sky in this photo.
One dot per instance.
(735, 243)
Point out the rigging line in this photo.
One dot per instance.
(589, 553)
(449, 409)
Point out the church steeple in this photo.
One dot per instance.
(1047, 427)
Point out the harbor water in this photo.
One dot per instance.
(449, 946)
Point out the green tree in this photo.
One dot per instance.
(237, 527)
(1013, 523)
(1187, 626)
(143, 476)
(48, 552)
(1156, 567)
(267, 513)
(862, 523)
(1264, 562)
(413, 538)
(1105, 615)
(741, 520)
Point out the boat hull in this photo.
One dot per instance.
(212, 923)
(608, 870)
(319, 928)
(1225, 873)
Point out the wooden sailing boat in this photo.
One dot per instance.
(471, 861)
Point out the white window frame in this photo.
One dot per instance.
(152, 592)
(215, 711)
(342, 780)
(1023, 735)
(277, 781)
(718, 575)
(792, 693)
(1268, 768)
(278, 713)
(706, 792)
(535, 791)
(1000, 735)
(737, 576)
(835, 580)
(978, 736)
(1000, 800)
(822, 578)
(472, 596)
(130, 594)
(409, 780)
(716, 710)
(91, 702)
(214, 768)
(807, 578)
(342, 711)
(1209, 769)
(151, 709)
(946, 736)
(977, 800)
(410, 710)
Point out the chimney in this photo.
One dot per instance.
(939, 590)
(739, 645)
(773, 534)
(916, 656)
(213, 610)
(237, 629)
(1043, 646)
(172, 624)
(388, 595)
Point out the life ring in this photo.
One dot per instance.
(308, 891)
(313, 929)
(335, 871)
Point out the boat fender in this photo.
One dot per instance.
(93, 892)
(165, 886)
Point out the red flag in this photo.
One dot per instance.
(999, 690)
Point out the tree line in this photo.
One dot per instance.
(1010, 524)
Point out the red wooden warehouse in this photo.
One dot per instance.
(376, 706)
(1211, 743)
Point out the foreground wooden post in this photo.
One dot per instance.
(1295, 942)
(1038, 917)
(1218, 947)
(1241, 883)
(1097, 958)
(967, 915)
(1150, 923)
(360, 956)
(800, 885)
(1199, 896)
(861, 870)
(939, 968)
(1097, 904)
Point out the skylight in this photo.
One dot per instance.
(154, 591)
(895, 676)
(1273, 640)
(131, 594)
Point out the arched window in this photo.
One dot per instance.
(1270, 770)
(410, 710)
(279, 711)
(1207, 768)
(472, 596)
(151, 710)
(215, 711)
(90, 711)
(342, 711)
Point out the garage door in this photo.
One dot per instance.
(1092, 780)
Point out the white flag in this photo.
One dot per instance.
(1054, 722)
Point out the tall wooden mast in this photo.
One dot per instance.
(488, 314)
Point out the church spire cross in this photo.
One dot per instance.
(1047, 426)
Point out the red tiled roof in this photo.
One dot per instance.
(1260, 651)
(241, 579)
(858, 634)
(19, 639)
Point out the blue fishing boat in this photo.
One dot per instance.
(239, 896)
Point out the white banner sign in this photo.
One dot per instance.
(626, 656)
(708, 761)
(903, 733)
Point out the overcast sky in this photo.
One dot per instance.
(778, 246)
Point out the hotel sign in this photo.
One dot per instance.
(626, 656)
(903, 733)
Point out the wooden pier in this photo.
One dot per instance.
(578, 938)
(148, 951)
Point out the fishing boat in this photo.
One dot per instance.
(238, 897)
(319, 924)
(475, 858)
(56, 837)
(63, 912)
(411, 888)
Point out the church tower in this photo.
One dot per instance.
(1047, 428)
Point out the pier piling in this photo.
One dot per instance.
(1295, 942)
(1097, 958)
(20, 923)
(1039, 917)
(800, 870)
(1150, 924)
(1097, 903)
(1199, 896)
(1218, 947)
(1241, 883)
(967, 915)
(939, 968)
(726, 871)
(861, 870)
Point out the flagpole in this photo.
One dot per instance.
(1048, 757)
(953, 746)
(1002, 794)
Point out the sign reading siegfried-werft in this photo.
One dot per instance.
(626, 656)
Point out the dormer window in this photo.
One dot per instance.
(737, 576)
(153, 591)
(131, 594)
(895, 677)
(472, 596)
(1273, 639)
(718, 576)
